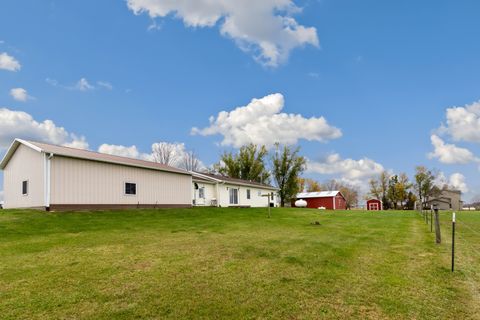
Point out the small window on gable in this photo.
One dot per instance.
(24, 188)
(130, 188)
(248, 193)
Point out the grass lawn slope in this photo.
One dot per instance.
(232, 263)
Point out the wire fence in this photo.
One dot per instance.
(462, 234)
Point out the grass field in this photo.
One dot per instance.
(234, 263)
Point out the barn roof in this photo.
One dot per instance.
(86, 155)
(320, 194)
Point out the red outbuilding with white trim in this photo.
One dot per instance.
(374, 205)
(330, 200)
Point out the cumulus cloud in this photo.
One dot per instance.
(458, 181)
(354, 172)
(19, 124)
(20, 94)
(9, 63)
(265, 28)
(463, 123)
(261, 122)
(450, 153)
(123, 151)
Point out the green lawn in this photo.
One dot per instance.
(233, 263)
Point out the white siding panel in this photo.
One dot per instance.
(76, 181)
(256, 200)
(25, 164)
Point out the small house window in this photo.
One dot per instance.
(259, 193)
(24, 188)
(201, 193)
(248, 194)
(130, 188)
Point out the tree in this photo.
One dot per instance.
(287, 166)
(350, 194)
(424, 183)
(403, 187)
(392, 194)
(190, 161)
(332, 185)
(379, 188)
(247, 164)
(375, 191)
(165, 153)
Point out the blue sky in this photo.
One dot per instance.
(385, 73)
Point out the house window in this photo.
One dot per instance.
(259, 193)
(130, 188)
(248, 194)
(233, 196)
(24, 188)
(201, 193)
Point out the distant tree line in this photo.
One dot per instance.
(396, 191)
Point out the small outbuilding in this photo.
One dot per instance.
(374, 205)
(330, 200)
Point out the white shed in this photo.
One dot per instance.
(44, 176)
(217, 190)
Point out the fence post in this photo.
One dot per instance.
(438, 236)
(453, 241)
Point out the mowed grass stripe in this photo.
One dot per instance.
(225, 263)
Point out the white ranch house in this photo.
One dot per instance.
(216, 190)
(50, 177)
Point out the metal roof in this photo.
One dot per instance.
(86, 155)
(225, 179)
(320, 194)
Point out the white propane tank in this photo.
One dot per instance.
(300, 203)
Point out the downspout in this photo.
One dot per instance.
(48, 158)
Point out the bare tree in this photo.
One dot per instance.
(165, 153)
(190, 161)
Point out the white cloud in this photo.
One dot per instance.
(20, 94)
(450, 153)
(105, 84)
(457, 181)
(19, 124)
(261, 122)
(265, 28)
(354, 172)
(123, 151)
(83, 85)
(463, 123)
(9, 63)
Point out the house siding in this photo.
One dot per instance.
(210, 193)
(26, 164)
(255, 200)
(84, 182)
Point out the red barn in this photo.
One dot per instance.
(374, 205)
(330, 200)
